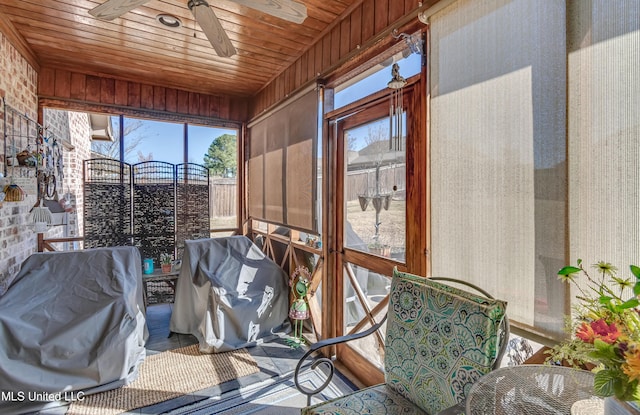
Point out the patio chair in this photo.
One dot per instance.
(440, 339)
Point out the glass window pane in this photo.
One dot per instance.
(217, 149)
(376, 78)
(146, 140)
(108, 148)
(375, 191)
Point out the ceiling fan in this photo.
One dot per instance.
(284, 9)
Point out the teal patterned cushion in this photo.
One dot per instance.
(440, 340)
(379, 399)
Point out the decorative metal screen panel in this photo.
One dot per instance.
(154, 201)
(153, 205)
(192, 218)
(107, 203)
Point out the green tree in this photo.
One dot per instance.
(222, 156)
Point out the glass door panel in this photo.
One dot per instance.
(366, 299)
(375, 190)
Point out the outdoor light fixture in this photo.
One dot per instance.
(169, 20)
(396, 84)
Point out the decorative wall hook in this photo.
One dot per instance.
(414, 42)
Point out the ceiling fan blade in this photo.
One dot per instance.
(289, 10)
(111, 9)
(211, 27)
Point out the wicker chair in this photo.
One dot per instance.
(440, 339)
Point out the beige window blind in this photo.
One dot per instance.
(498, 152)
(282, 164)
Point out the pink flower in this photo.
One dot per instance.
(598, 329)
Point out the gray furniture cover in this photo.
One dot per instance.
(69, 322)
(229, 295)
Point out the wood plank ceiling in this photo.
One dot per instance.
(61, 34)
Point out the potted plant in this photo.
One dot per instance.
(165, 262)
(605, 330)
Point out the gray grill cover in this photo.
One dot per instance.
(71, 321)
(229, 295)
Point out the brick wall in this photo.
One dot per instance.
(18, 86)
(77, 150)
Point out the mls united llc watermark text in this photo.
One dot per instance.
(31, 396)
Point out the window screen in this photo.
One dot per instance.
(282, 164)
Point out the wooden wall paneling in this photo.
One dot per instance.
(368, 16)
(345, 37)
(396, 10)
(121, 93)
(133, 99)
(159, 98)
(275, 91)
(62, 83)
(183, 101)
(46, 82)
(281, 89)
(92, 92)
(409, 5)
(381, 15)
(299, 77)
(310, 54)
(146, 96)
(171, 99)
(291, 78)
(258, 101)
(224, 109)
(238, 110)
(107, 90)
(304, 68)
(355, 28)
(213, 106)
(78, 86)
(57, 87)
(203, 105)
(335, 45)
(318, 49)
(193, 103)
(326, 51)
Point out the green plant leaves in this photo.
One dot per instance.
(604, 350)
(613, 382)
(569, 270)
(633, 302)
(635, 271)
(604, 382)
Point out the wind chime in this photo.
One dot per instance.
(396, 84)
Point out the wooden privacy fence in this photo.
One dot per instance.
(223, 197)
(223, 193)
(363, 182)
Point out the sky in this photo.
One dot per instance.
(163, 141)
